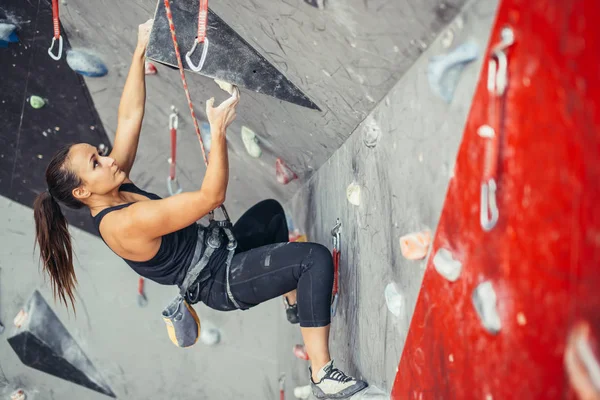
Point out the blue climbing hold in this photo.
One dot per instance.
(86, 64)
(444, 70)
(8, 34)
(206, 138)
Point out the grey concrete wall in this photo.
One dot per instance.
(404, 181)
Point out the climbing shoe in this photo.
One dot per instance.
(291, 311)
(334, 384)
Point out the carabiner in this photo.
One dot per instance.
(170, 186)
(60, 48)
(197, 68)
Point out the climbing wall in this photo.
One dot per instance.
(509, 309)
(402, 159)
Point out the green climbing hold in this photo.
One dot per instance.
(36, 102)
(251, 142)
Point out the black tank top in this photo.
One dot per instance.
(170, 264)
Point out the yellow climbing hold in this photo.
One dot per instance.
(353, 194)
(226, 86)
(36, 102)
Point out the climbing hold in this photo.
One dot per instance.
(448, 38)
(446, 265)
(42, 342)
(103, 150)
(210, 336)
(226, 86)
(20, 319)
(581, 363)
(353, 194)
(485, 302)
(302, 392)
(18, 394)
(283, 173)
(141, 297)
(415, 246)
(372, 132)
(206, 137)
(36, 102)
(296, 236)
(86, 64)
(7, 34)
(393, 299)
(150, 69)
(251, 142)
(300, 352)
(444, 70)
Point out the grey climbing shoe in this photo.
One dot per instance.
(334, 384)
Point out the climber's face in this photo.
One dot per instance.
(100, 175)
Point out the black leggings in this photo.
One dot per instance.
(266, 266)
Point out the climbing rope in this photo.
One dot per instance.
(336, 239)
(200, 38)
(183, 80)
(189, 99)
(173, 123)
(57, 36)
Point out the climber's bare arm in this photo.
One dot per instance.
(132, 105)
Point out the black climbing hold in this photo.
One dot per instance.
(229, 57)
(320, 4)
(42, 342)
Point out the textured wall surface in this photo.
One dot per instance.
(403, 182)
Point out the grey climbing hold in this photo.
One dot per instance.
(485, 302)
(372, 132)
(86, 63)
(353, 194)
(446, 265)
(250, 141)
(36, 102)
(444, 70)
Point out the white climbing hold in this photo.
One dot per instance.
(20, 319)
(448, 38)
(393, 299)
(226, 86)
(210, 336)
(36, 102)
(372, 132)
(353, 194)
(251, 142)
(86, 63)
(443, 71)
(446, 265)
(302, 392)
(485, 302)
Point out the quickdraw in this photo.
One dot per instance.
(57, 36)
(200, 38)
(172, 179)
(496, 85)
(336, 239)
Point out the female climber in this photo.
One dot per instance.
(159, 238)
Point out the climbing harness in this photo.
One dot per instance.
(57, 36)
(336, 239)
(200, 38)
(496, 85)
(183, 324)
(172, 179)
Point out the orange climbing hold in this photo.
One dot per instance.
(415, 246)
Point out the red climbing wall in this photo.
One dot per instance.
(542, 256)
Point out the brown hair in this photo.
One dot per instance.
(52, 232)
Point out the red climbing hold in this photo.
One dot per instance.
(150, 69)
(283, 173)
(300, 352)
